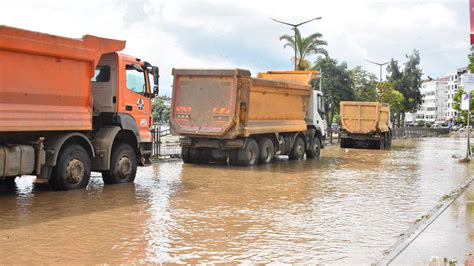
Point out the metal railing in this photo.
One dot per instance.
(418, 132)
(165, 145)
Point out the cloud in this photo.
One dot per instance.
(218, 34)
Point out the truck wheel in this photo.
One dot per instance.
(123, 165)
(8, 182)
(233, 160)
(342, 143)
(389, 140)
(267, 150)
(314, 148)
(297, 152)
(185, 155)
(193, 155)
(204, 156)
(249, 154)
(72, 170)
(382, 142)
(198, 156)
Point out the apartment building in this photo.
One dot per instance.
(454, 81)
(433, 93)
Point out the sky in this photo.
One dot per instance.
(240, 34)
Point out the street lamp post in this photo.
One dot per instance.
(380, 65)
(295, 26)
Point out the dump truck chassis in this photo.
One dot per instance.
(381, 140)
(254, 149)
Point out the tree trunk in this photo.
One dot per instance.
(403, 118)
(330, 126)
(328, 129)
(398, 119)
(392, 118)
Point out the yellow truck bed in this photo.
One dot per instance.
(230, 103)
(364, 117)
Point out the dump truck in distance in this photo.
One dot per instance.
(365, 124)
(72, 106)
(227, 114)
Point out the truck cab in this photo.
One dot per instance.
(123, 86)
(316, 112)
(69, 106)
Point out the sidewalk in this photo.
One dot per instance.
(450, 238)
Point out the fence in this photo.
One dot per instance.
(164, 144)
(418, 132)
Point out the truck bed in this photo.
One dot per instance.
(364, 117)
(45, 79)
(230, 103)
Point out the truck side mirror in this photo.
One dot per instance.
(156, 78)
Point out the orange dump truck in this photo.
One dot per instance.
(227, 114)
(72, 106)
(365, 124)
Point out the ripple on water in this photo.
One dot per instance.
(348, 206)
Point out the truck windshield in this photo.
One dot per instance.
(135, 79)
(101, 74)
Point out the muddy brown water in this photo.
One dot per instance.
(349, 206)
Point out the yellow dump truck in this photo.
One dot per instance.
(227, 114)
(365, 124)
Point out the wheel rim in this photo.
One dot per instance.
(124, 167)
(75, 171)
(268, 155)
(316, 148)
(252, 156)
(300, 150)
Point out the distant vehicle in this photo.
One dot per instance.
(334, 126)
(227, 114)
(59, 125)
(365, 124)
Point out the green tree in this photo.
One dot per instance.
(457, 98)
(407, 82)
(336, 83)
(387, 94)
(365, 85)
(305, 46)
(160, 112)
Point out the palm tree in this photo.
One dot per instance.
(305, 46)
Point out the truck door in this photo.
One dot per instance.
(136, 99)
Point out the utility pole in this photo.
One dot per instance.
(468, 154)
(295, 27)
(320, 79)
(380, 65)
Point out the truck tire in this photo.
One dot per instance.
(123, 165)
(342, 143)
(389, 140)
(314, 148)
(204, 156)
(72, 170)
(233, 158)
(346, 143)
(185, 155)
(249, 154)
(8, 182)
(298, 150)
(198, 156)
(267, 151)
(382, 141)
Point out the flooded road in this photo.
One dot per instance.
(349, 206)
